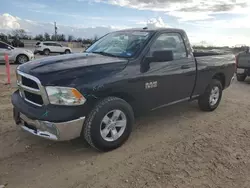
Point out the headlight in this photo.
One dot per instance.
(64, 96)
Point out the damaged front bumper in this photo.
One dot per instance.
(54, 131)
(53, 122)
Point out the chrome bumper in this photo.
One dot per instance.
(54, 131)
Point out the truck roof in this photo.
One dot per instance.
(155, 29)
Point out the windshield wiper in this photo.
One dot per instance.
(105, 54)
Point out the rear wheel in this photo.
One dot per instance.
(46, 52)
(22, 59)
(241, 77)
(210, 100)
(109, 124)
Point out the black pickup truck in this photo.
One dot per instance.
(95, 94)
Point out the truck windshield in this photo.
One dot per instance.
(120, 44)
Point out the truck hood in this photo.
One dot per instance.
(51, 69)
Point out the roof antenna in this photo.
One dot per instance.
(145, 28)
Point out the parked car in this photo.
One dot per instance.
(95, 94)
(16, 55)
(48, 47)
(243, 65)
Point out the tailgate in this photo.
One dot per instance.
(244, 60)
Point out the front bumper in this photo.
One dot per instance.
(49, 121)
(54, 131)
(31, 57)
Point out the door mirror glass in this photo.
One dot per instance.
(162, 56)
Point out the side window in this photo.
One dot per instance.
(46, 44)
(56, 44)
(3, 46)
(170, 41)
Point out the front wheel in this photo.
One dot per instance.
(211, 98)
(46, 52)
(22, 59)
(109, 124)
(67, 51)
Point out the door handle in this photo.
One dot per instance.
(185, 67)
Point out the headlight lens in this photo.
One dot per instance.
(65, 96)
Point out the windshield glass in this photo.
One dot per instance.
(120, 44)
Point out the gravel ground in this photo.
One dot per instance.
(175, 147)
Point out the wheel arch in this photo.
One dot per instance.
(46, 49)
(221, 77)
(125, 96)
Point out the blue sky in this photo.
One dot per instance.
(206, 21)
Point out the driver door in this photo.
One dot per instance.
(170, 81)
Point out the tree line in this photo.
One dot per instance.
(19, 34)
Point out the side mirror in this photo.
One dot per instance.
(157, 56)
(161, 56)
(9, 48)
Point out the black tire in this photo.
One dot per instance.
(67, 52)
(22, 58)
(91, 130)
(46, 51)
(241, 77)
(204, 100)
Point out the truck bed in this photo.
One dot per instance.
(216, 59)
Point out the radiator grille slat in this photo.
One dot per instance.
(31, 90)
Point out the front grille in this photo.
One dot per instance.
(33, 98)
(30, 83)
(31, 90)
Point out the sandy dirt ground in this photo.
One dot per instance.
(175, 147)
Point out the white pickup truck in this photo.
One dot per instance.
(243, 65)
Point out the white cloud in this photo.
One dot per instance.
(9, 22)
(210, 31)
(156, 23)
(234, 23)
(187, 10)
(191, 16)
